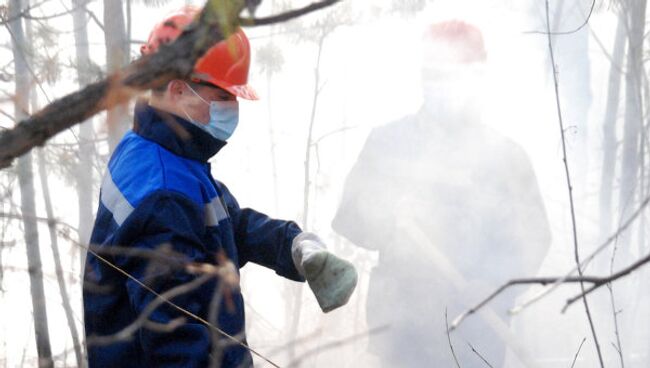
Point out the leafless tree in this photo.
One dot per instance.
(80, 106)
(27, 194)
(117, 56)
(84, 175)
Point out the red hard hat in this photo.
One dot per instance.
(225, 64)
(454, 42)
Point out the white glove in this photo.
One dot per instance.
(331, 279)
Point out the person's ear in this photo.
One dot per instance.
(176, 89)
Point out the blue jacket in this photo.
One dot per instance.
(158, 191)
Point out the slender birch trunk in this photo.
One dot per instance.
(26, 182)
(117, 55)
(84, 176)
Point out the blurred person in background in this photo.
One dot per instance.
(452, 207)
(159, 196)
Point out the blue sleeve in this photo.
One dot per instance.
(261, 239)
(172, 220)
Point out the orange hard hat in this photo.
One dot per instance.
(225, 64)
(454, 41)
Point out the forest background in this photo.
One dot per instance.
(326, 79)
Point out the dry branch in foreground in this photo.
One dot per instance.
(595, 281)
(170, 62)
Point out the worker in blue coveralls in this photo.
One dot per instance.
(160, 207)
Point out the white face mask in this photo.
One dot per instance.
(454, 94)
(224, 117)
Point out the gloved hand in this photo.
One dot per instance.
(331, 279)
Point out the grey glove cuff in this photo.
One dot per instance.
(302, 246)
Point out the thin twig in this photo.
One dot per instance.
(335, 344)
(575, 358)
(596, 282)
(213, 318)
(301, 340)
(245, 21)
(523, 281)
(127, 333)
(605, 52)
(329, 134)
(172, 304)
(624, 272)
(479, 355)
(22, 13)
(568, 180)
(558, 281)
(46, 220)
(451, 346)
(586, 260)
(610, 287)
(586, 21)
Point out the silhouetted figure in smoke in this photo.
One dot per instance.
(452, 207)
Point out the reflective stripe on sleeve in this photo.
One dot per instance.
(114, 200)
(214, 212)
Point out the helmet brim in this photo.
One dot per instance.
(244, 91)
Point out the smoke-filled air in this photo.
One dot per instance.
(324, 183)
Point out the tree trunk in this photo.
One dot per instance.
(630, 166)
(84, 176)
(26, 182)
(117, 55)
(65, 297)
(633, 114)
(609, 129)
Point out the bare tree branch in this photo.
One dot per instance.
(335, 344)
(479, 355)
(451, 346)
(575, 358)
(143, 319)
(26, 14)
(192, 268)
(624, 272)
(596, 282)
(524, 281)
(618, 346)
(213, 318)
(586, 21)
(586, 260)
(287, 15)
(171, 61)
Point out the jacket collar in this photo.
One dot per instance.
(174, 133)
